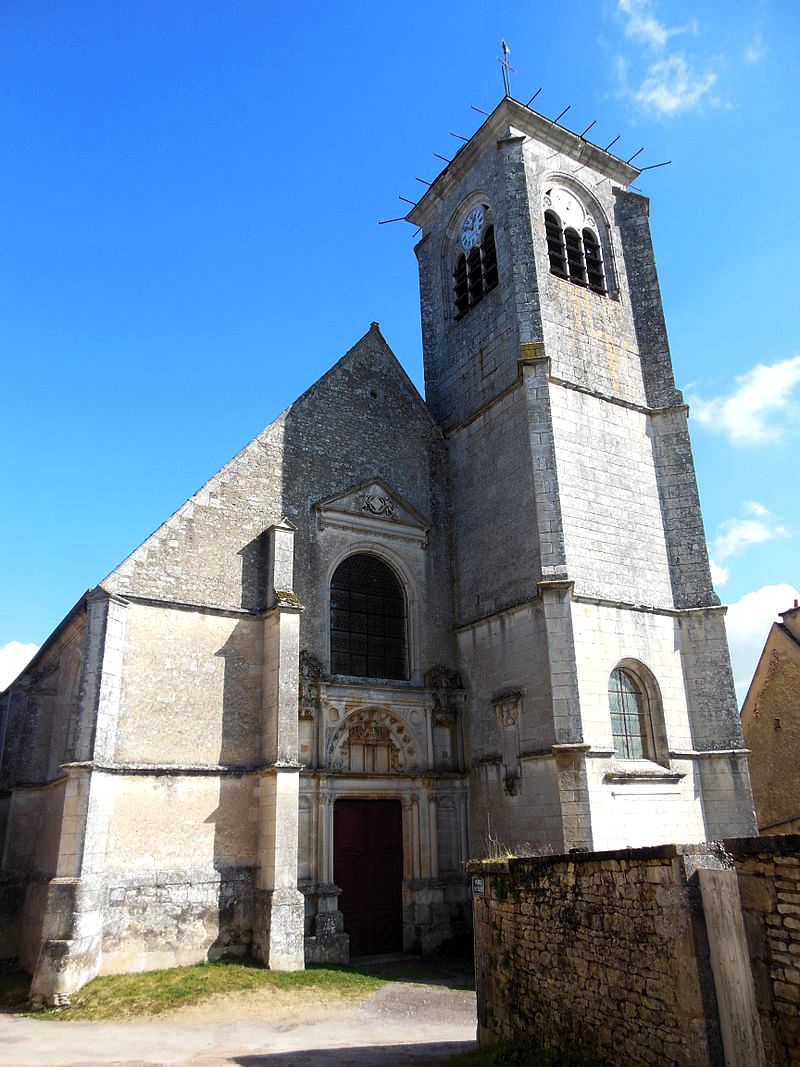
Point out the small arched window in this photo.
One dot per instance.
(573, 245)
(368, 620)
(577, 271)
(594, 262)
(631, 725)
(475, 272)
(555, 244)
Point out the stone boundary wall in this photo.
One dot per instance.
(768, 870)
(612, 953)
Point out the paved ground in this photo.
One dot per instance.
(404, 1023)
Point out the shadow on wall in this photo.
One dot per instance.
(229, 905)
(254, 573)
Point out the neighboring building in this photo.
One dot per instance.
(389, 635)
(771, 723)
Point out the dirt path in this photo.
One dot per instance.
(404, 1023)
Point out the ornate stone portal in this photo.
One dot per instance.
(383, 742)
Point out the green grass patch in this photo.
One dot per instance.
(155, 992)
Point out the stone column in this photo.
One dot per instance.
(433, 832)
(278, 933)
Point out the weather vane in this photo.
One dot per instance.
(507, 68)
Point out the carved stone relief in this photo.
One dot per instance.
(374, 504)
(373, 740)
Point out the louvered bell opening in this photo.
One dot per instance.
(577, 271)
(555, 244)
(594, 262)
(489, 256)
(461, 287)
(475, 276)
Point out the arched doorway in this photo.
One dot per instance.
(368, 869)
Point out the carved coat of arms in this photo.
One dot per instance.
(375, 504)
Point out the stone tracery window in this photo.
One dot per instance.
(368, 620)
(574, 247)
(630, 715)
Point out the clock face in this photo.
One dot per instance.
(471, 229)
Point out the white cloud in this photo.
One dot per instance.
(748, 622)
(735, 535)
(671, 83)
(759, 409)
(752, 507)
(642, 25)
(672, 86)
(719, 575)
(14, 656)
(738, 534)
(755, 51)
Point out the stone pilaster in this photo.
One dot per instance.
(278, 934)
(72, 927)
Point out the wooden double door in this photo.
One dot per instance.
(368, 869)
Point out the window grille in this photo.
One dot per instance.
(630, 719)
(368, 620)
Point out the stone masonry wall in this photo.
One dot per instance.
(608, 953)
(769, 883)
(591, 953)
(609, 500)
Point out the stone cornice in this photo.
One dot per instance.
(512, 122)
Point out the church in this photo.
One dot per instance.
(394, 634)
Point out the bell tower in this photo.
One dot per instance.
(601, 710)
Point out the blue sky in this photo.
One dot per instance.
(191, 194)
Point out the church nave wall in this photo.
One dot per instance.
(191, 690)
(180, 869)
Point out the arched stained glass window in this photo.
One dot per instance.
(630, 718)
(368, 620)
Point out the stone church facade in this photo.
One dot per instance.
(393, 634)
